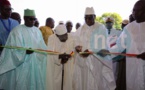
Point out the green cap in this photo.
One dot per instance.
(28, 12)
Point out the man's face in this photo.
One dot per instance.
(139, 12)
(6, 11)
(63, 37)
(78, 25)
(29, 20)
(16, 16)
(69, 26)
(52, 23)
(90, 19)
(36, 23)
(131, 18)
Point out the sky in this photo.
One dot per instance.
(71, 10)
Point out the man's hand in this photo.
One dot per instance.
(103, 52)
(78, 48)
(64, 58)
(142, 56)
(87, 54)
(29, 51)
(1, 48)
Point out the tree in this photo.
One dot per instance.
(116, 16)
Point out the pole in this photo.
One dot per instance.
(62, 76)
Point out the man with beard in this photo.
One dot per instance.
(60, 67)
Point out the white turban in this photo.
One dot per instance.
(61, 22)
(89, 11)
(60, 29)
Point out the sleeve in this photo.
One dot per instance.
(51, 46)
(42, 45)
(77, 37)
(122, 43)
(14, 23)
(99, 41)
(11, 58)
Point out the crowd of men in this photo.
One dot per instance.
(95, 57)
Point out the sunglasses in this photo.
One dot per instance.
(32, 19)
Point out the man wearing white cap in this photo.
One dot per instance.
(61, 42)
(91, 72)
(23, 69)
(61, 23)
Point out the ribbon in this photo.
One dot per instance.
(113, 53)
(36, 50)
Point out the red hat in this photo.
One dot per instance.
(4, 2)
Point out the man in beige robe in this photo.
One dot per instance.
(61, 42)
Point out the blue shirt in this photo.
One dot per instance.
(9, 23)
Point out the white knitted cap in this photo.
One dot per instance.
(89, 11)
(60, 29)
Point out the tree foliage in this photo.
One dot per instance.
(116, 16)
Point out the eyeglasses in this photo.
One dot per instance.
(8, 9)
(90, 18)
(32, 19)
